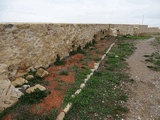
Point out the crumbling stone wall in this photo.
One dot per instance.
(38, 44)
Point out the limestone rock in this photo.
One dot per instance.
(20, 73)
(19, 81)
(23, 65)
(37, 86)
(3, 72)
(41, 73)
(12, 69)
(29, 77)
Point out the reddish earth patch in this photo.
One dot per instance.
(69, 78)
(91, 64)
(8, 117)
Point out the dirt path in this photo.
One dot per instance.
(144, 98)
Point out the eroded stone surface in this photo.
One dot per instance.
(8, 94)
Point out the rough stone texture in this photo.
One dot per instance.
(41, 73)
(19, 81)
(32, 89)
(3, 72)
(29, 77)
(39, 44)
(8, 94)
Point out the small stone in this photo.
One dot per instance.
(41, 73)
(67, 108)
(82, 85)
(19, 81)
(37, 86)
(61, 116)
(29, 77)
(77, 92)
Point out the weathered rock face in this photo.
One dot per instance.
(36, 45)
(39, 44)
(8, 94)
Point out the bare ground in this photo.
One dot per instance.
(144, 95)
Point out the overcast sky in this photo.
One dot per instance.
(81, 11)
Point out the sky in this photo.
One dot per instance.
(82, 11)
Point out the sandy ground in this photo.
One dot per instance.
(144, 95)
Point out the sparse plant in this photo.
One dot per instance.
(58, 61)
(34, 97)
(63, 72)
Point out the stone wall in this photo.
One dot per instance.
(153, 30)
(38, 44)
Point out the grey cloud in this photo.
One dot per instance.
(81, 11)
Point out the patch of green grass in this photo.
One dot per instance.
(116, 58)
(79, 78)
(129, 37)
(75, 68)
(63, 72)
(97, 59)
(103, 95)
(154, 58)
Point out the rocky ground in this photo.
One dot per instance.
(144, 95)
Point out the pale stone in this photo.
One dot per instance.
(77, 92)
(3, 68)
(3, 72)
(85, 80)
(82, 85)
(29, 77)
(103, 56)
(67, 108)
(41, 73)
(92, 70)
(37, 86)
(60, 116)
(20, 73)
(19, 81)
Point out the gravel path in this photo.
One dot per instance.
(144, 95)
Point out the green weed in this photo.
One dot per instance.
(58, 61)
(63, 72)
